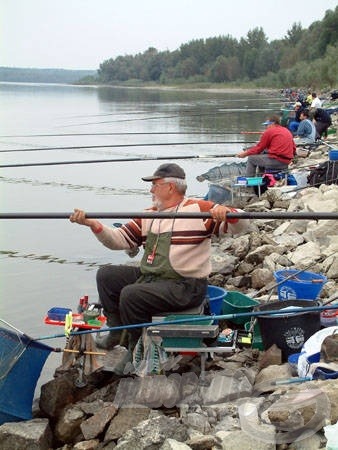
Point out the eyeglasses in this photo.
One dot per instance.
(155, 186)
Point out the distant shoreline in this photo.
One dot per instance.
(225, 90)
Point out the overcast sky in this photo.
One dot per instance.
(81, 34)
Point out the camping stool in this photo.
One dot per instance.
(187, 338)
(255, 182)
(182, 338)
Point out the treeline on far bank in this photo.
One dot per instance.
(31, 75)
(304, 57)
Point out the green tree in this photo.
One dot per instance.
(294, 35)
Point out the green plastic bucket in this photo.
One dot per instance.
(235, 302)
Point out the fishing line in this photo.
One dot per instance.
(127, 120)
(136, 133)
(80, 147)
(77, 187)
(214, 113)
(97, 161)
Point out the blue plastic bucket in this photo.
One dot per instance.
(303, 285)
(215, 297)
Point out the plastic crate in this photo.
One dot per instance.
(242, 181)
(185, 342)
(57, 313)
(254, 181)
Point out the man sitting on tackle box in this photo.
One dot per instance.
(176, 262)
(274, 151)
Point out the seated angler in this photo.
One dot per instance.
(294, 123)
(174, 270)
(274, 151)
(306, 133)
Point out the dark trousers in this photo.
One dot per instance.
(321, 128)
(262, 162)
(132, 302)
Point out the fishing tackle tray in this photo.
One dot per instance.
(77, 322)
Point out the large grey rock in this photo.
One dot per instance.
(151, 434)
(203, 442)
(197, 421)
(257, 256)
(226, 386)
(273, 261)
(92, 444)
(241, 246)
(260, 278)
(172, 444)
(330, 266)
(305, 254)
(58, 393)
(222, 262)
(290, 240)
(95, 425)
(126, 419)
(235, 440)
(68, 424)
(32, 434)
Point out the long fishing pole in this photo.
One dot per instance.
(328, 145)
(283, 312)
(98, 161)
(213, 113)
(125, 133)
(161, 144)
(173, 215)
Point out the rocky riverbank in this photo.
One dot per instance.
(241, 401)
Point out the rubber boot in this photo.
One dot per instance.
(112, 338)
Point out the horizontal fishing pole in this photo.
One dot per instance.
(173, 215)
(125, 133)
(188, 113)
(80, 147)
(285, 312)
(98, 161)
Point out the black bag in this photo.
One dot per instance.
(325, 173)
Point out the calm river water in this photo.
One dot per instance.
(46, 263)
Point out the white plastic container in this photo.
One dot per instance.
(328, 318)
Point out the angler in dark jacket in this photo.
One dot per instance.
(322, 121)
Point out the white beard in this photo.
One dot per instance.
(157, 203)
